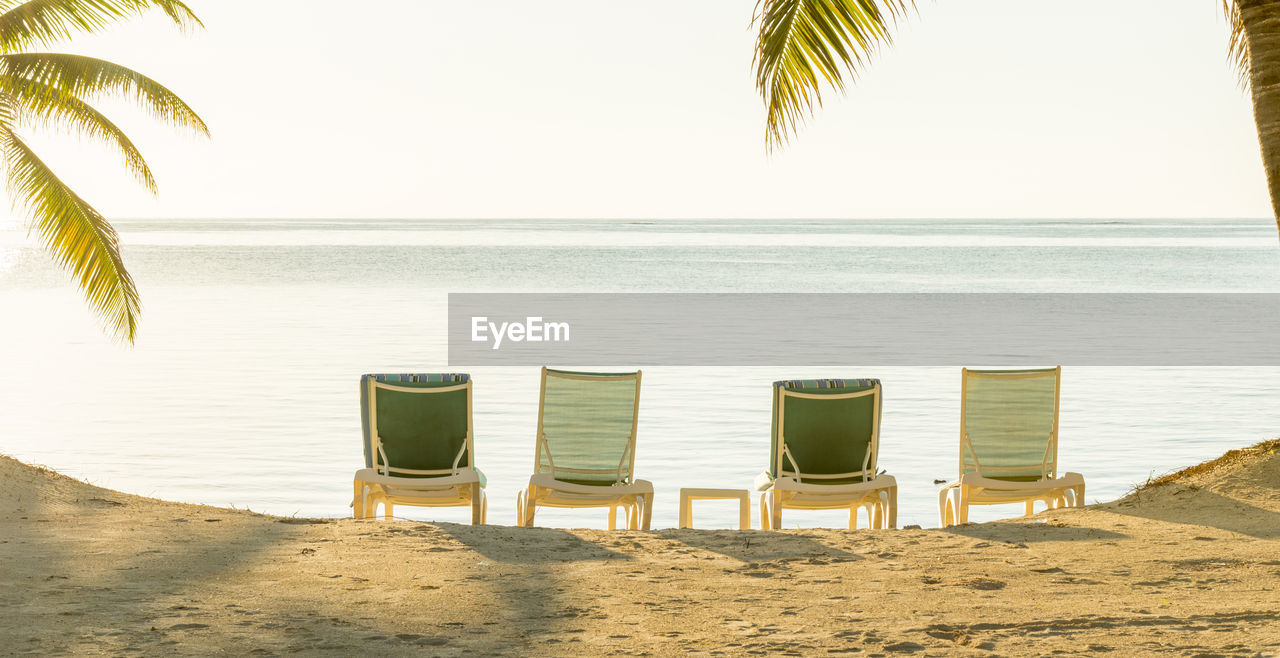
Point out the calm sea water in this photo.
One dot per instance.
(242, 387)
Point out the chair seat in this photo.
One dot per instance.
(552, 490)
(990, 491)
(465, 488)
(973, 489)
(465, 476)
(809, 495)
(544, 490)
(878, 495)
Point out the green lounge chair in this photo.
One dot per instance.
(417, 445)
(586, 447)
(825, 440)
(1009, 444)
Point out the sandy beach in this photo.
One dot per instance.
(842, 250)
(1188, 565)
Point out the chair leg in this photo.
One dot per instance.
(775, 510)
(957, 507)
(853, 517)
(944, 507)
(357, 500)
(890, 498)
(525, 507)
(647, 517)
(477, 494)
(530, 506)
(613, 517)
(484, 507)
(387, 508)
(1078, 493)
(1031, 508)
(764, 511)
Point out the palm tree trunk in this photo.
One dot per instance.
(1261, 19)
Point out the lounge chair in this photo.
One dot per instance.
(418, 445)
(1009, 444)
(826, 436)
(586, 448)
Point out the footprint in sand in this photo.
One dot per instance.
(187, 627)
(980, 583)
(422, 640)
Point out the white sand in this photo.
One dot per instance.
(1189, 566)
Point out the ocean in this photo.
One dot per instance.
(242, 388)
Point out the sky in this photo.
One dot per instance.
(601, 108)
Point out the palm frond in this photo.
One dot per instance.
(804, 43)
(80, 238)
(29, 22)
(53, 107)
(27, 74)
(1237, 45)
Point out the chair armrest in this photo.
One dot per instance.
(976, 480)
(372, 476)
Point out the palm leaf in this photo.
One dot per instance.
(1237, 45)
(28, 74)
(804, 43)
(51, 106)
(80, 238)
(29, 22)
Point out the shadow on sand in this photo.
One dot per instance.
(528, 546)
(535, 583)
(1019, 532)
(758, 545)
(1199, 507)
(61, 575)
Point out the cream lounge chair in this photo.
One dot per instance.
(586, 448)
(1009, 444)
(418, 445)
(826, 436)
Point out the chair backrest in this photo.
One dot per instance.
(416, 425)
(587, 426)
(1009, 423)
(825, 431)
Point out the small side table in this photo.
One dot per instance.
(688, 495)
